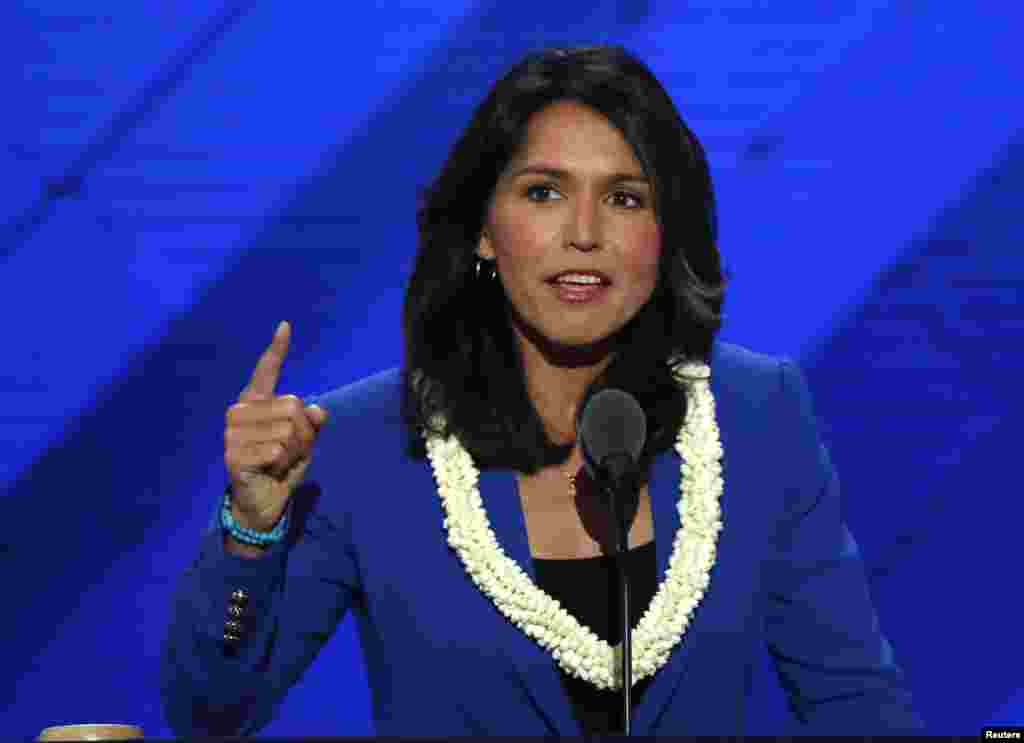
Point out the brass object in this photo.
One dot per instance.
(93, 731)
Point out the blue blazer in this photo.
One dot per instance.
(367, 537)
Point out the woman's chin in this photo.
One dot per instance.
(580, 344)
(566, 346)
(574, 349)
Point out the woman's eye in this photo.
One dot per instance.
(538, 192)
(628, 200)
(541, 193)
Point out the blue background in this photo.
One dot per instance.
(180, 176)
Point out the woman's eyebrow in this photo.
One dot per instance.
(564, 175)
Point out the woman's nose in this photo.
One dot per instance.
(583, 230)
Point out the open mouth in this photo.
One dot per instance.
(576, 293)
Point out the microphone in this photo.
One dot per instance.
(611, 432)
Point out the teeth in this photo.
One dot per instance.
(578, 279)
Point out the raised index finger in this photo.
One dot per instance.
(268, 368)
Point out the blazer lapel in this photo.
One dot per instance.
(664, 491)
(536, 668)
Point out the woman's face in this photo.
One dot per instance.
(575, 199)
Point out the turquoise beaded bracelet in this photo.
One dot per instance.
(251, 536)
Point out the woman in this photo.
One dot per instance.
(567, 246)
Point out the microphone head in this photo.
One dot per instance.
(612, 423)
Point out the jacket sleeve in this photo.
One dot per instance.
(823, 635)
(297, 593)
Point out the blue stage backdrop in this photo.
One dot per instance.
(180, 176)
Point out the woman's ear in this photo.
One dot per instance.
(483, 248)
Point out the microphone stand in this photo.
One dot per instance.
(620, 488)
(627, 631)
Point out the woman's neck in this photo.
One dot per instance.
(556, 380)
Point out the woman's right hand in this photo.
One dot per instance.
(268, 441)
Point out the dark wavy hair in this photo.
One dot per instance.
(461, 358)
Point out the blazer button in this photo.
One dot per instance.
(233, 628)
(231, 640)
(233, 631)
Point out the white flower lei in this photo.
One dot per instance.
(575, 647)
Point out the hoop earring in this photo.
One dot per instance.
(493, 274)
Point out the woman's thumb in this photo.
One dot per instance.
(317, 415)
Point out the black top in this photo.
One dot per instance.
(588, 589)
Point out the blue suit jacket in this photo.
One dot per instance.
(367, 537)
